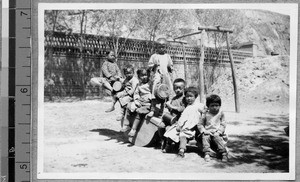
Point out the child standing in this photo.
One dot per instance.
(175, 107)
(161, 66)
(141, 102)
(126, 95)
(110, 74)
(186, 125)
(212, 126)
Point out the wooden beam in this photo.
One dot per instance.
(216, 29)
(195, 33)
(236, 94)
(179, 41)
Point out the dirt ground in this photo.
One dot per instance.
(81, 137)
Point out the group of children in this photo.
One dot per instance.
(192, 119)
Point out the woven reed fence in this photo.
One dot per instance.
(72, 60)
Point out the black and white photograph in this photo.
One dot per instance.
(167, 91)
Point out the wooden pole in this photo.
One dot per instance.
(184, 62)
(201, 68)
(236, 95)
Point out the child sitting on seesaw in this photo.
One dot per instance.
(187, 124)
(110, 74)
(212, 127)
(175, 107)
(126, 95)
(141, 102)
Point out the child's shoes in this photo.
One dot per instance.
(125, 129)
(132, 133)
(110, 109)
(181, 153)
(119, 118)
(224, 157)
(207, 158)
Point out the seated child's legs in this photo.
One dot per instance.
(96, 81)
(135, 124)
(128, 119)
(218, 140)
(122, 113)
(206, 139)
(182, 145)
(182, 142)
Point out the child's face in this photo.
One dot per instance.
(161, 48)
(144, 77)
(190, 98)
(214, 108)
(128, 74)
(178, 88)
(111, 56)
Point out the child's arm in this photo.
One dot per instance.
(152, 63)
(222, 127)
(130, 90)
(171, 107)
(136, 97)
(202, 108)
(170, 64)
(201, 126)
(105, 71)
(119, 73)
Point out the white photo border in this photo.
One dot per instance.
(291, 9)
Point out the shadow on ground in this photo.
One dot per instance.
(112, 135)
(269, 146)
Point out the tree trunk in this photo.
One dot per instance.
(82, 59)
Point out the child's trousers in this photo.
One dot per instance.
(218, 140)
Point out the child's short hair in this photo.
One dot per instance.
(128, 67)
(143, 70)
(193, 90)
(213, 99)
(177, 80)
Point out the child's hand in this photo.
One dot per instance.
(132, 107)
(117, 78)
(168, 105)
(216, 134)
(178, 128)
(120, 94)
(137, 103)
(206, 132)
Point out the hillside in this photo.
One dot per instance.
(260, 81)
(270, 31)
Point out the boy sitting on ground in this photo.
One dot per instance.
(212, 127)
